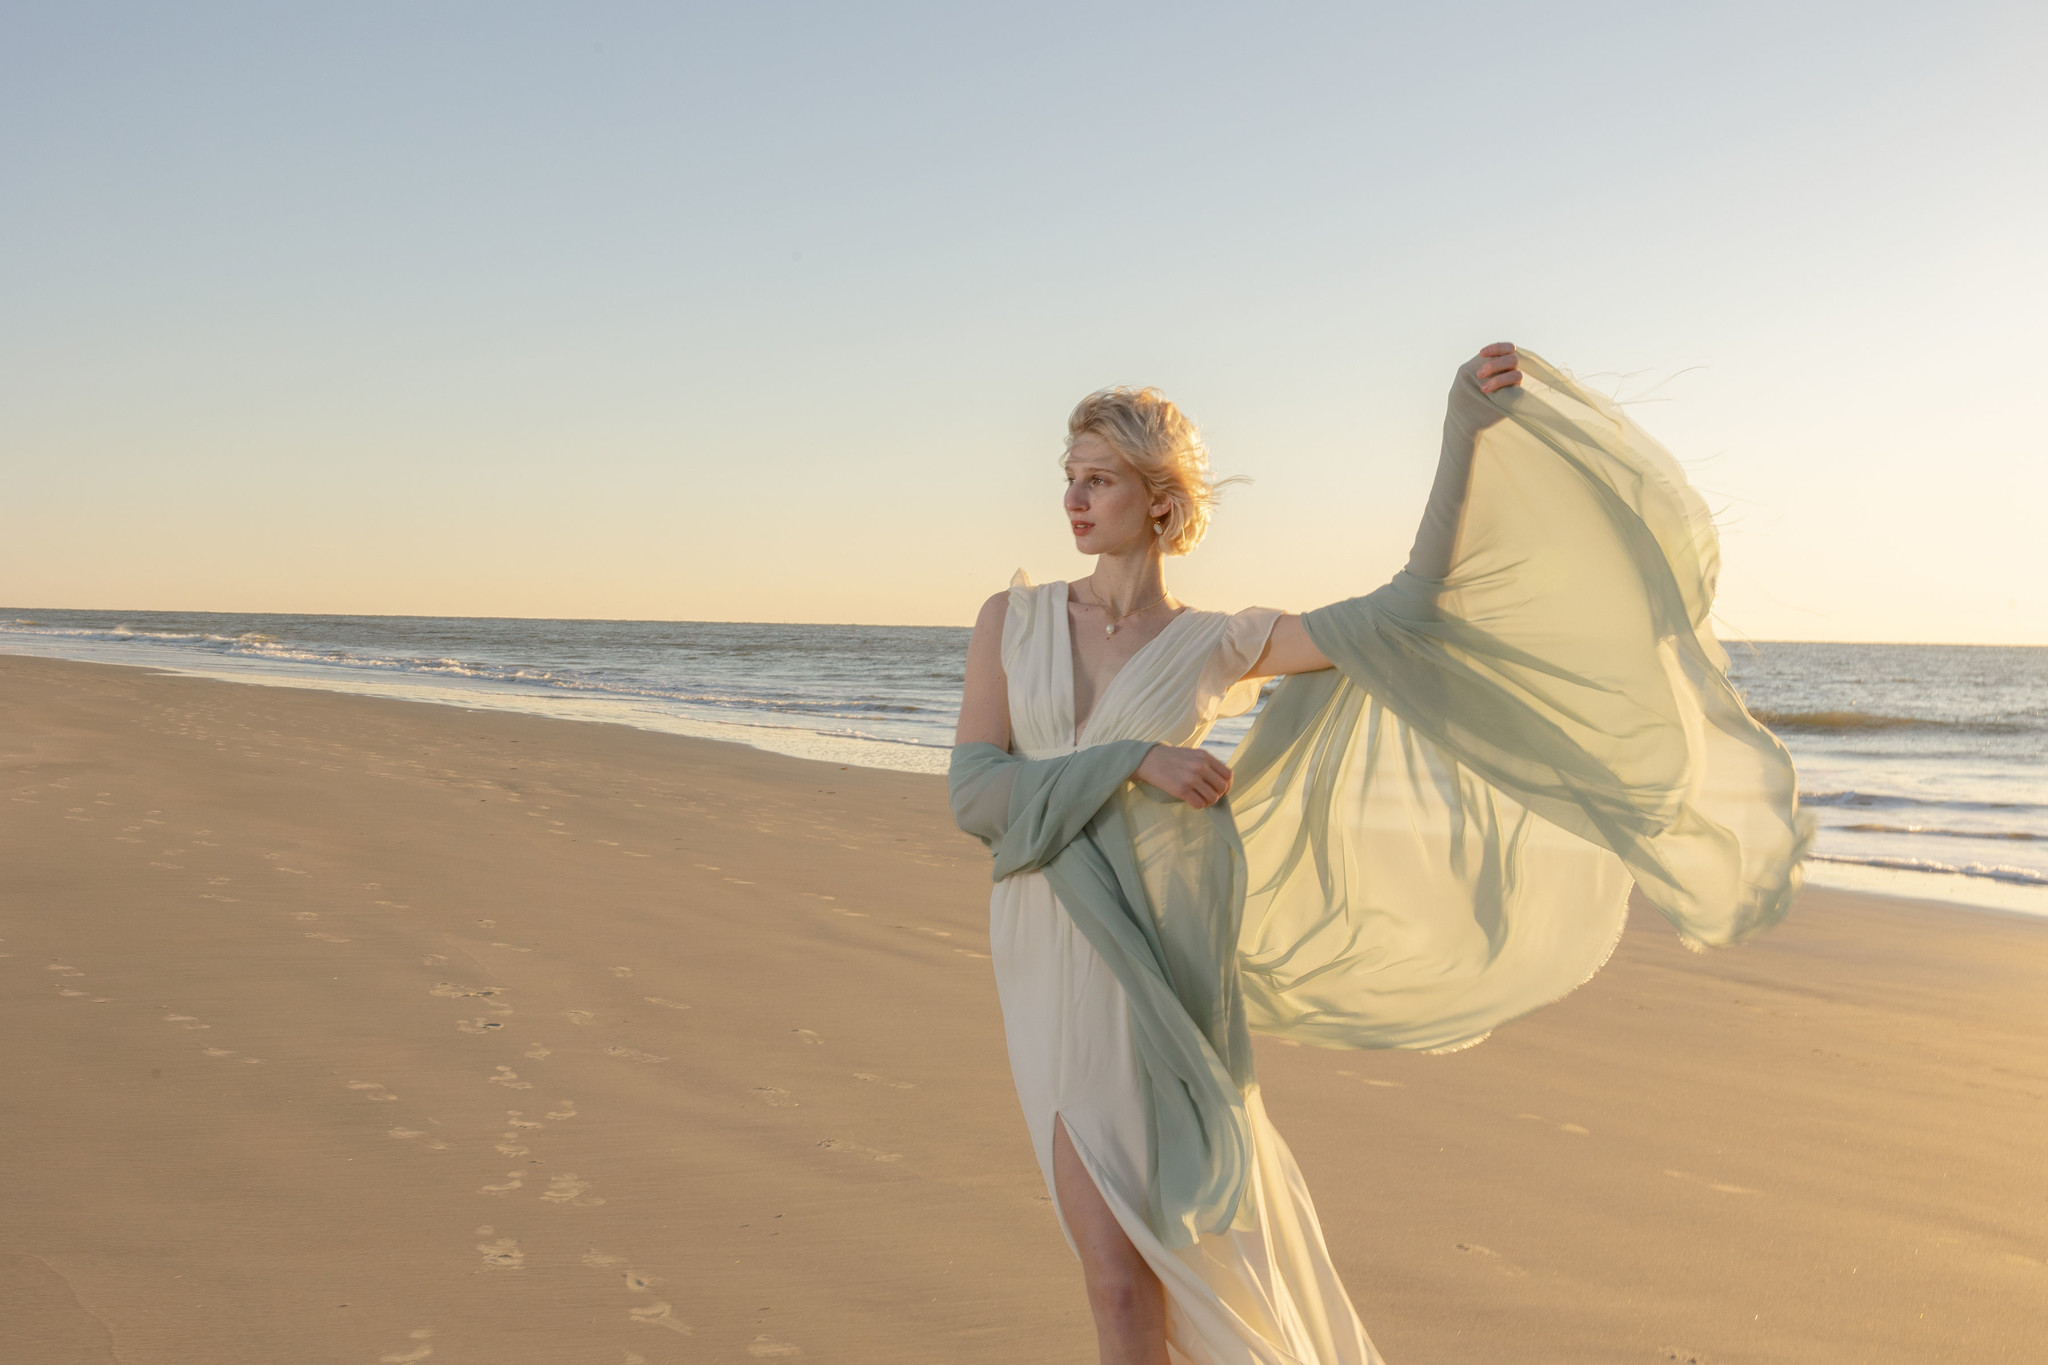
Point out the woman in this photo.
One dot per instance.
(1436, 823)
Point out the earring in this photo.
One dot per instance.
(1158, 528)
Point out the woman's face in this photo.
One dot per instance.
(1107, 505)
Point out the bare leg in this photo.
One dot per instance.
(1127, 1299)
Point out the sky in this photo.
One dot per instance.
(775, 312)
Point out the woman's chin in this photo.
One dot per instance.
(1095, 543)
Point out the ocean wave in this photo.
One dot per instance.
(1943, 833)
(1840, 720)
(1857, 800)
(1860, 722)
(2001, 872)
(255, 645)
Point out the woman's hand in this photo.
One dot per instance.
(1195, 776)
(1497, 367)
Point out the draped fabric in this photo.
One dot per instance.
(1439, 834)
(1169, 938)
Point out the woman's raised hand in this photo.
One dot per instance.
(1497, 367)
(1191, 775)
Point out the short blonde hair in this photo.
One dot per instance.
(1161, 443)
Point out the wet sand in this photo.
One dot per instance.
(360, 1031)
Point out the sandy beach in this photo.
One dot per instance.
(350, 1030)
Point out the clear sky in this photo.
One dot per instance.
(775, 312)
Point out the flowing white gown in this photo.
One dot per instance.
(1265, 1294)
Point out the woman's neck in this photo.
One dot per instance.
(1124, 583)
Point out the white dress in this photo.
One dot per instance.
(1268, 1294)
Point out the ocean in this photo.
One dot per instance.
(1926, 765)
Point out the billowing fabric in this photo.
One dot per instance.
(1432, 838)
(1441, 832)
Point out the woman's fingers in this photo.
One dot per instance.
(1497, 367)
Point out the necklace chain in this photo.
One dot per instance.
(1110, 629)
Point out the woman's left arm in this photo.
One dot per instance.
(1289, 648)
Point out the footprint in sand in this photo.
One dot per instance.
(513, 1180)
(1681, 1355)
(408, 1134)
(665, 1004)
(513, 1117)
(417, 1353)
(1574, 1128)
(632, 1054)
(660, 1315)
(508, 1145)
(872, 1079)
(433, 960)
(327, 938)
(187, 1020)
(767, 1347)
(1689, 1178)
(510, 947)
(564, 1109)
(448, 990)
(776, 1096)
(568, 1189)
(62, 970)
(307, 915)
(855, 1149)
(503, 1254)
(580, 1018)
(371, 1090)
(539, 1052)
(622, 972)
(808, 1036)
(598, 1260)
(509, 1078)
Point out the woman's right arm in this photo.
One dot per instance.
(985, 704)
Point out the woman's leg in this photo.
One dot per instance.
(1127, 1299)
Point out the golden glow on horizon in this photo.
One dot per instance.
(719, 331)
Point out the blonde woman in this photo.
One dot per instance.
(1432, 828)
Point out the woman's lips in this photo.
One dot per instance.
(1082, 528)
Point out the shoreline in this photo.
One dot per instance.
(1991, 896)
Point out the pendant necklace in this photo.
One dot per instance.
(1110, 629)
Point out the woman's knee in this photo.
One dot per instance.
(1124, 1295)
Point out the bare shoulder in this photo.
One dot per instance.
(984, 702)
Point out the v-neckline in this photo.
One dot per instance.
(1066, 662)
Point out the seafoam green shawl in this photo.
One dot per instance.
(1439, 834)
(1169, 939)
